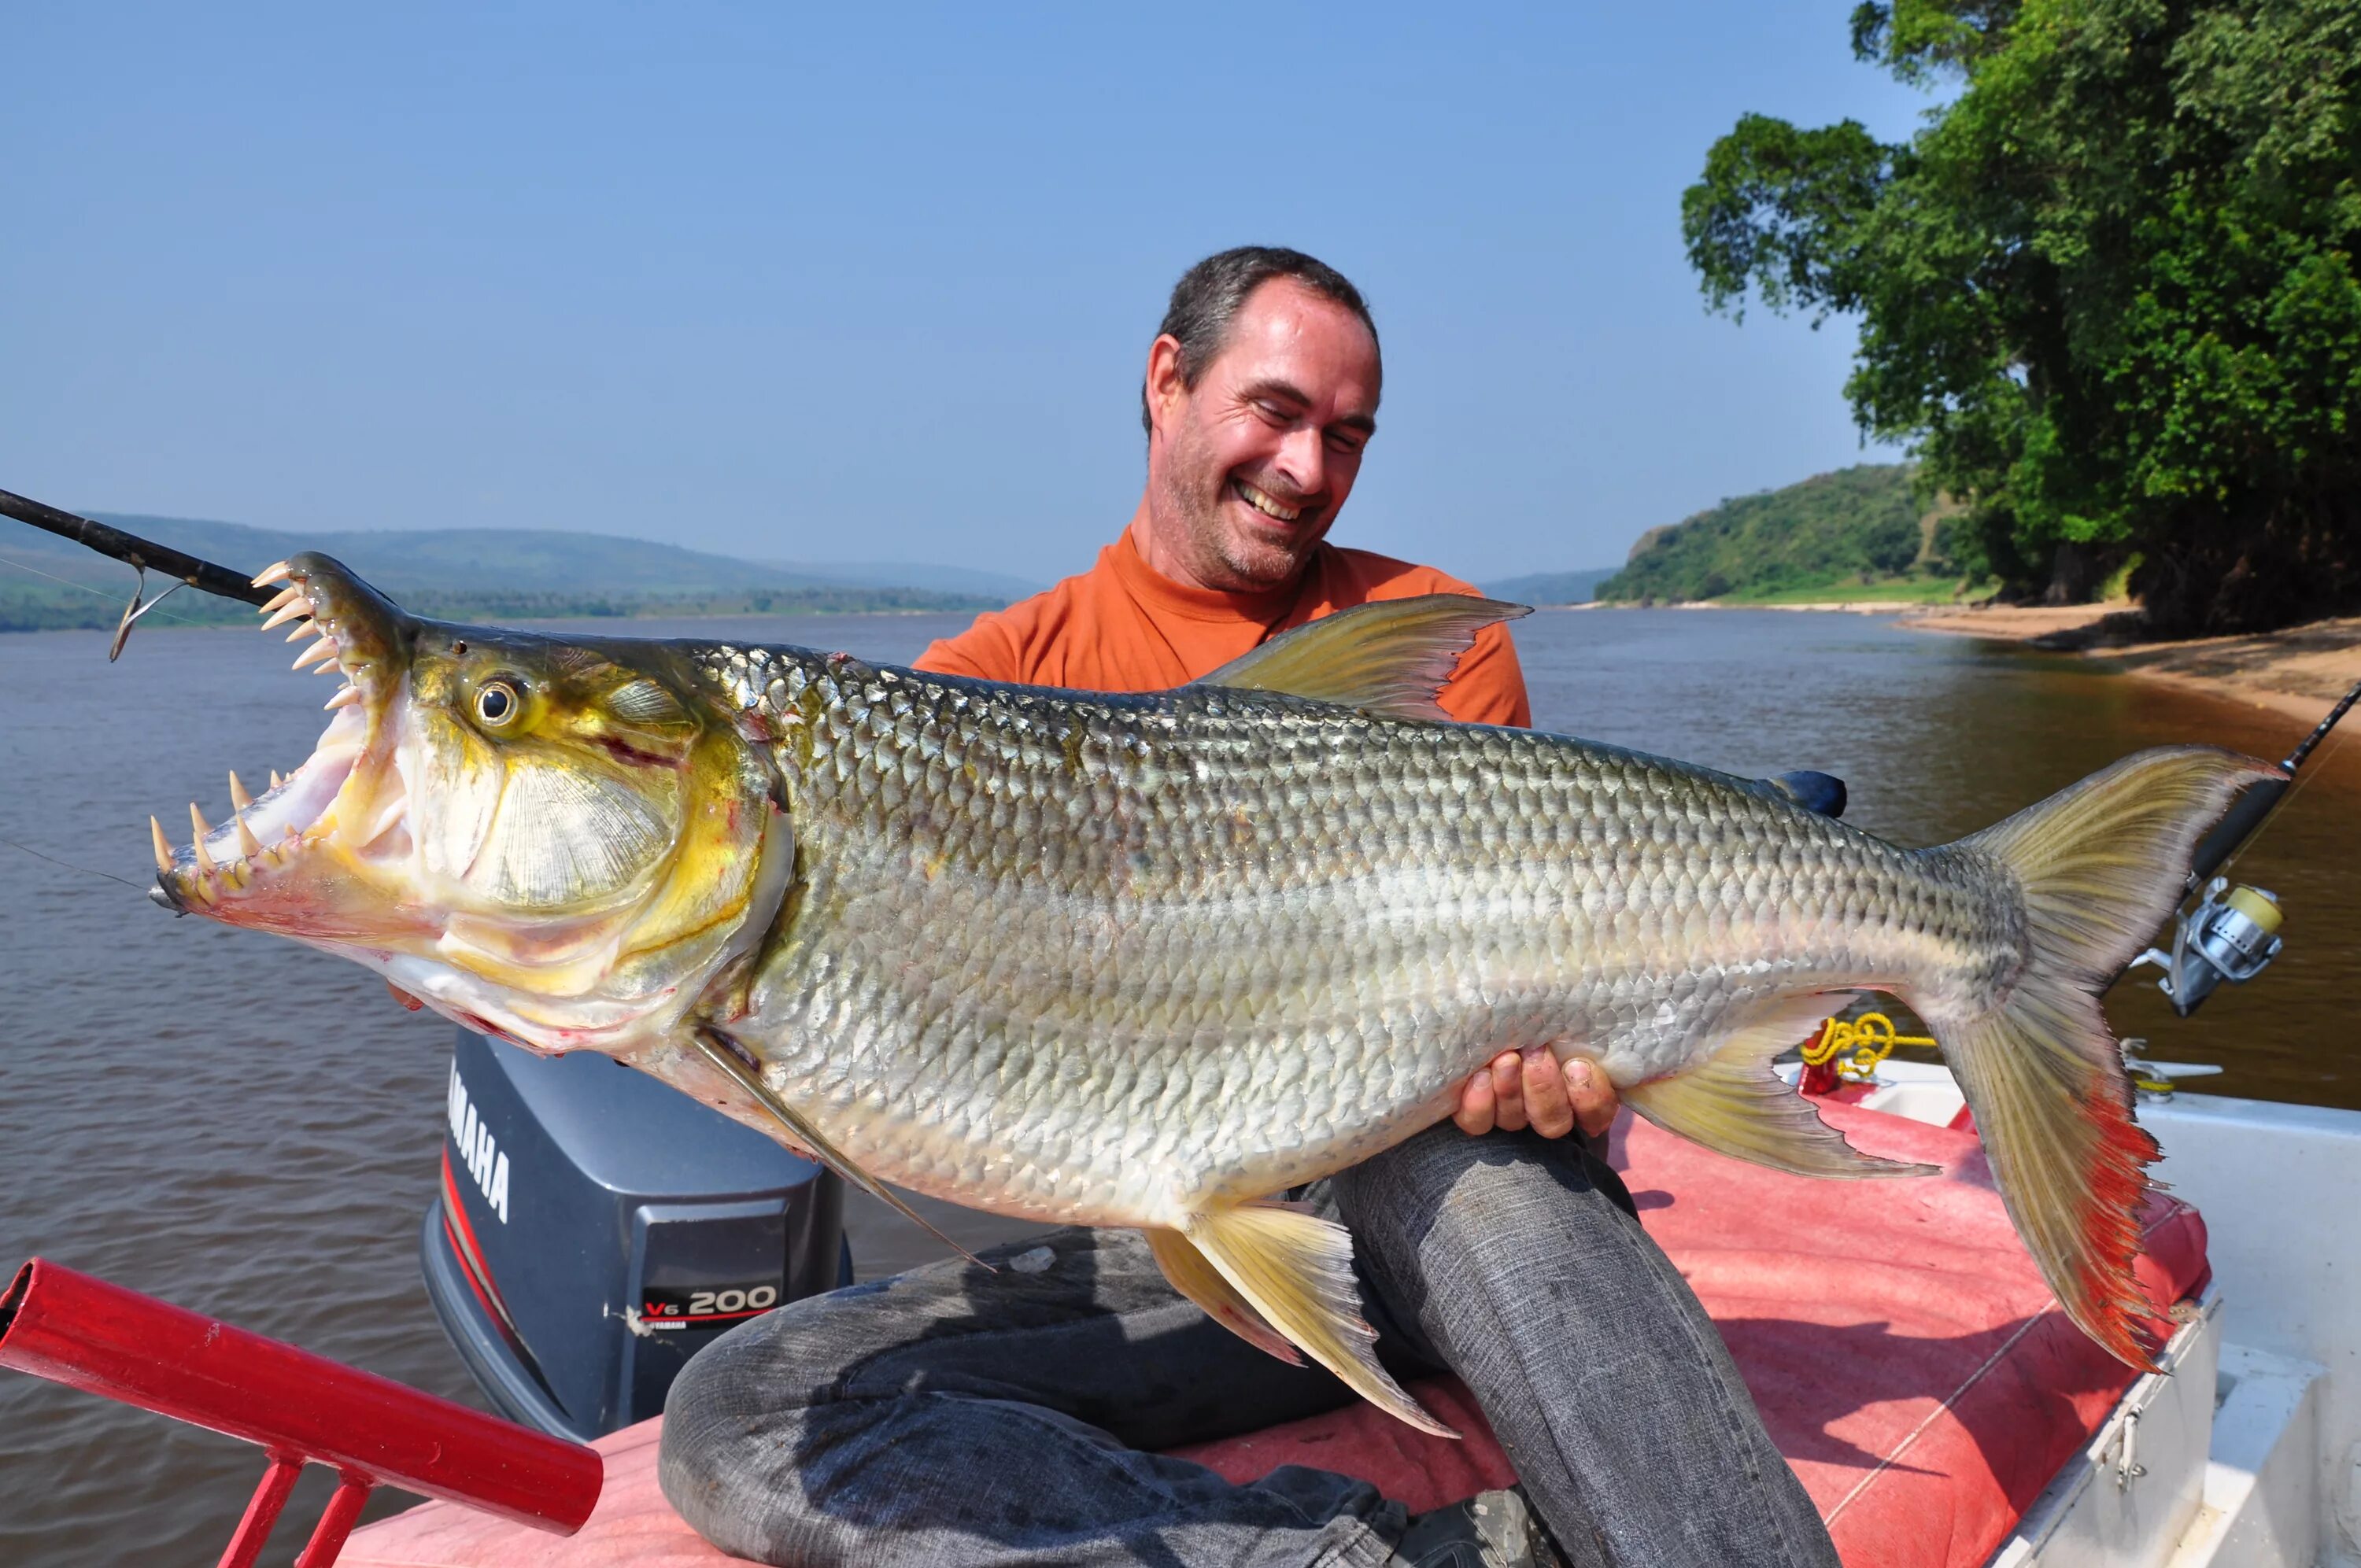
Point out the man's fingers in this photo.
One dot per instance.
(1474, 1115)
(1509, 1092)
(1594, 1100)
(1546, 1104)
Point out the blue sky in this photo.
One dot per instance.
(878, 284)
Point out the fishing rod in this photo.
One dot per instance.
(2233, 932)
(144, 555)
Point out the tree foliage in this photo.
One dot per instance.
(1857, 525)
(2108, 292)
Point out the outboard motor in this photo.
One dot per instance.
(596, 1228)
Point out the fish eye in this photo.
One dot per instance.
(496, 703)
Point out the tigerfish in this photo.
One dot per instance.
(1146, 960)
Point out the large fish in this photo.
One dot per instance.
(1145, 961)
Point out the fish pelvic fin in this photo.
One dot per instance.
(1296, 1270)
(1188, 1272)
(1734, 1104)
(2097, 868)
(1387, 659)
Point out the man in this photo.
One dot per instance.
(954, 1416)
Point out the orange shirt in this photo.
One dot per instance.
(1123, 627)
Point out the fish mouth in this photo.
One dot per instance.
(253, 868)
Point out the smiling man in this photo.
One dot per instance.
(952, 1416)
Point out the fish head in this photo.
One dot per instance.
(563, 842)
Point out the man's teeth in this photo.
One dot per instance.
(1263, 504)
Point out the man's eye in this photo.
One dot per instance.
(1346, 444)
(1272, 411)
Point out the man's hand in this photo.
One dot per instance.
(1528, 1089)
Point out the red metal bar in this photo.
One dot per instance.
(262, 1511)
(100, 1338)
(337, 1521)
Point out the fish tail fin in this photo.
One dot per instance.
(2097, 868)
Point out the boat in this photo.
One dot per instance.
(594, 1230)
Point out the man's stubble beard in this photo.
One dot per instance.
(1216, 556)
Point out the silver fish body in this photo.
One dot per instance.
(1113, 960)
(1145, 961)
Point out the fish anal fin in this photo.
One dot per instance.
(1387, 659)
(1734, 1104)
(1296, 1270)
(1187, 1271)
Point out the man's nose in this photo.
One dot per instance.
(1303, 459)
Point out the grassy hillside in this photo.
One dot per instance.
(1856, 533)
(48, 583)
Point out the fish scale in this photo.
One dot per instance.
(1195, 946)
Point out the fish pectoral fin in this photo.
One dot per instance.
(1187, 1271)
(1387, 659)
(1734, 1104)
(734, 1061)
(1296, 1270)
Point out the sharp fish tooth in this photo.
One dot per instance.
(239, 798)
(163, 846)
(287, 595)
(246, 842)
(344, 698)
(275, 780)
(309, 629)
(326, 648)
(270, 573)
(286, 613)
(329, 667)
(197, 821)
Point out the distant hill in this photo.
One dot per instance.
(1858, 532)
(491, 574)
(1550, 587)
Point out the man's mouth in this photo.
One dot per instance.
(1263, 502)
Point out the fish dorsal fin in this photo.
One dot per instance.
(1387, 659)
(1186, 1268)
(1734, 1104)
(1296, 1270)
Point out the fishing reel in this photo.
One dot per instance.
(2232, 935)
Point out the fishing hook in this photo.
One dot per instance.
(134, 610)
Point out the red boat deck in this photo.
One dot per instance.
(1907, 1359)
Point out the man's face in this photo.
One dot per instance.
(1247, 470)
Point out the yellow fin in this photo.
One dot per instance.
(1190, 1274)
(1297, 1271)
(1388, 659)
(1734, 1104)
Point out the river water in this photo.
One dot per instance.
(248, 1128)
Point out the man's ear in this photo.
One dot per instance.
(1165, 387)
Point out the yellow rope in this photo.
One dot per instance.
(1858, 1046)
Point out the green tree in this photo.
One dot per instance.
(2107, 292)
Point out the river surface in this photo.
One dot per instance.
(251, 1129)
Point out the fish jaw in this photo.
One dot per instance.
(294, 859)
(560, 844)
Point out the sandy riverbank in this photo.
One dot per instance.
(2298, 672)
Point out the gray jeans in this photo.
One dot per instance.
(949, 1416)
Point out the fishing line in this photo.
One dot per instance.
(86, 870)
(85, 587)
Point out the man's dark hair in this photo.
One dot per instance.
(1209, 294)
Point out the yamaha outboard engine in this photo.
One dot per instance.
(597, 1228)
